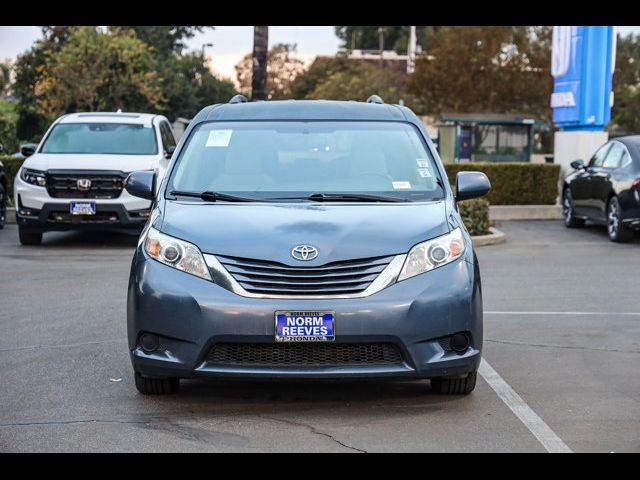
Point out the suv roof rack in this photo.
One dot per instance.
(238, 99)
(375, 99)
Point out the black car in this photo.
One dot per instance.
(607, 190)
(3, 195)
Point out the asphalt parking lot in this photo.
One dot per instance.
(562, 349)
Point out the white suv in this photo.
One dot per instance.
(74, 178)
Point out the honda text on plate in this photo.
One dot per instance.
(305, 240)
(74, 178)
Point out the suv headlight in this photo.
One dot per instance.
(432, 254)
(34, 177)
(176, 253)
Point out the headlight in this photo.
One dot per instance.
(34, 177)
(432, 254)
(176, 253)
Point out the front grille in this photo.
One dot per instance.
(64, 184)
(273, 278)
(304, 354)
(98, 218)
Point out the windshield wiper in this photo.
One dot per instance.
(347, 197)
(214, 196)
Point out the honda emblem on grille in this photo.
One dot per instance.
(304, 252)
(83, 184)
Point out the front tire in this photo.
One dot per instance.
(29, 238)
(570, 220)
(157, 386)
(454, 386)
(617, 231)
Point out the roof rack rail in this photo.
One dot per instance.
(375, 99)
(238, 99)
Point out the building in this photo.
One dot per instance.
(482, 137)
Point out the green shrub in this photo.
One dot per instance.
(11, 167)
(515, 183)
(475, 215)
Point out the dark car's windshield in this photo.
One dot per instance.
(294, 159)
(101, 138)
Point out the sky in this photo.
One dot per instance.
(230, 43)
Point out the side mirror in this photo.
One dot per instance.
(577, 164)
(169, 151)
(471, 185)
(141, 184)
(27, 150)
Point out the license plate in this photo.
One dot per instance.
(305, 326)
(83, 208)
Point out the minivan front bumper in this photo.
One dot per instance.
(191, 315)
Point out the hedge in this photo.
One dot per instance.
(475, 215)
(515, 183)
(11, 167)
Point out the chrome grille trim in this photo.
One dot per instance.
(385, 277)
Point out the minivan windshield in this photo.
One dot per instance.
(297, 159)
(101, 138)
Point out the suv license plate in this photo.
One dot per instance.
(305, 326)
(83, 208)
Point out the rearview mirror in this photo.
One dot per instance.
(471, 185)
(577, 164)
(169, 151)
(27, 150)
(141, 184)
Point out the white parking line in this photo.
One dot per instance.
(635, 314)
(547, 437)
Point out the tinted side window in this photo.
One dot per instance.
(167, 136)
(614, 156)
(598, 157)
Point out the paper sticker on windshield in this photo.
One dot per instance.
(422, 162)
(424, 173)
(401, 185)
(219, 138)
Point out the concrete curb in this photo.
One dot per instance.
(525, 212)
(493, 238)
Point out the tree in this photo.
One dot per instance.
(318, 72)
(395, 38)
(191, 86)
(5, 78)
(95, 70)
(259, 63)
(484, 69)
(359, 81)
(626, 84)
(165, 39)
(283, 66)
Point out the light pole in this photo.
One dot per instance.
(205, 45)
(411, 51)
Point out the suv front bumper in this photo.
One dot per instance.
(191, 315)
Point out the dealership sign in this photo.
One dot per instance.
(582, 63)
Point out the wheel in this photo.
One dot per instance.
(3, 206)
(618, 232)
(29, 238)
(454, 386)
(570, 221)
(157, 386)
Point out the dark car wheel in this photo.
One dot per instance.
(29, 238)
(157, 386)
(454, 386)
(570, 220)
(618, 232)
(3, 205)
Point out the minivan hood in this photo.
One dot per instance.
(338, 231)
(60, 161)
